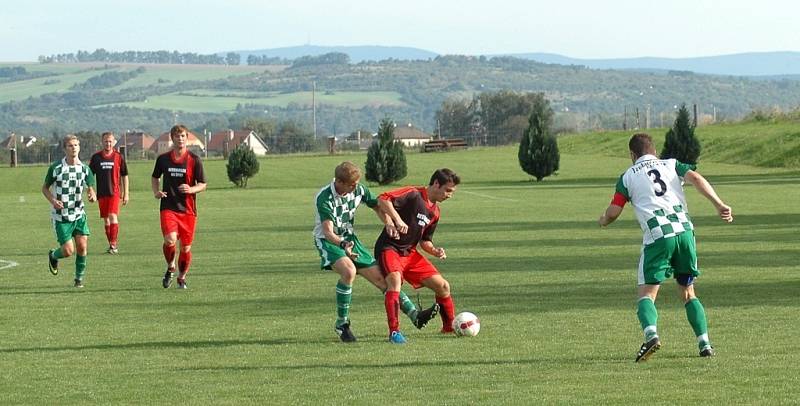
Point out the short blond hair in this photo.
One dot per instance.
(347, 172)
(107, 134)
(67, 138)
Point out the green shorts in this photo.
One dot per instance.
(668, 257)
(330, 253)
(65, 230)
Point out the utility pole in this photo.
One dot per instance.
(314, 107)
(625, 118)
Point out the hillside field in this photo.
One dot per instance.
(555, 294)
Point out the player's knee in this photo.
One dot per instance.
(442, 288)
(67, 251)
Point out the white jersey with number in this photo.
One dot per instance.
(655, 189)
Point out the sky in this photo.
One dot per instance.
(578, 29)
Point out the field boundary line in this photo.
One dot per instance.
(4, 264)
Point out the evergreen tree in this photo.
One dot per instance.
(680, 142)
(242, 165)
(538, 149)
(386, 161)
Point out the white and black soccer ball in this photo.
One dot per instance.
(466, 324)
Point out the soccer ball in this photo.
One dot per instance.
(466, 324)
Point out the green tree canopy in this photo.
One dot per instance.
(242, 165)
(538, 149)
(386, 161)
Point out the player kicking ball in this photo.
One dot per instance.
(341, 251)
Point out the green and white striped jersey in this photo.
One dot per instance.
(68, 182)
(655, 189)
(341, 210)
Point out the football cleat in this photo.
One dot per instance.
(344, 333)
(167, 281)
(182, 284)
(397, 338)
(424, 316)
(112, 250)
(78, 283)
(52, 263)
(707, 351)
(648, 348)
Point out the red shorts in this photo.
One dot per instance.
(181, 223)
(108, 205)
(414, 268)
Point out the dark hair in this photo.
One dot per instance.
(641, 144)
(444, 176)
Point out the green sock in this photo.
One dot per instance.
(408, 307)
(648, 317)
(57, 253)
(80, 266)
(696, 315)
(344, 294)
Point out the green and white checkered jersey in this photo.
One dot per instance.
(68, 182)
(655, 189)
(341, 210)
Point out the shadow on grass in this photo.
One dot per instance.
(160, 345)
(69, 291)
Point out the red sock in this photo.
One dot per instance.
(169, 254)
(108, 232)
(184, 260)
(448, 312)
(392, 303)
(114, 231)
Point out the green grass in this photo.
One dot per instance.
(768, 144)
(555, 294)
(221, 102)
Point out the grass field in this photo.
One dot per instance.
(221, 102)
(556, 296)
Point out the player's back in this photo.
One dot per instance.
(655, 189)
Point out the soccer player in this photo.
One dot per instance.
(183, 179)
(411, 216)
(340, 249)
(111, 171)
(69, 177)
(654, 188)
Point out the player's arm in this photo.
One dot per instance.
(701, 184)
(90, 192)
(394, 224)
(427, 246)
(50, 198)
(614, 209)
(125, 191)
(155, 186)
(190, 190)
(333, 238)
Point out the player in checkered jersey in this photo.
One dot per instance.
(68, 178)
(341, 251)
(655, 189)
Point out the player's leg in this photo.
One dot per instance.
(102, 204)
(66, 246)
(113, 223)
(441, 288)
(393, 264)
(81, 249)
(344, 296)
(374, 275)
(685, 264)
(186, 225)
(169, 229)
(653, 269)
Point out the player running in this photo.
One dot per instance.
(654, 188)
(69, 177)
(183, 179)
(111, 171)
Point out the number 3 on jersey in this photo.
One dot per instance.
(655, 176)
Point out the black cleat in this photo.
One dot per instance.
(649, 348)
(344, 333)
(707, 351)
(167, 281)
(52, 263)
(78, 283)
(424, 316)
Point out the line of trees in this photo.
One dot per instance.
(163, 57)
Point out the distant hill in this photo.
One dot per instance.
(356, 53)
(744, 64)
